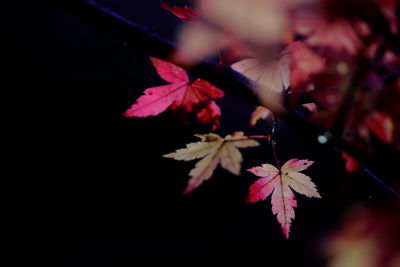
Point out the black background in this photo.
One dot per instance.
(97, 171)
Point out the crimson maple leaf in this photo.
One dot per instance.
(279, 183)
(180, 93)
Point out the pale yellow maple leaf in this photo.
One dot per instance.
(213, 150)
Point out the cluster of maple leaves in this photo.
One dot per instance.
(181, 93)
(295, 48)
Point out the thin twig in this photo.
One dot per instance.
(248, 138)
(260, 136)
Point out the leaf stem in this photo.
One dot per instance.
(250, 137)
(273, 141)
(260, 136)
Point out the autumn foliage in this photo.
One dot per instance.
(335, 62)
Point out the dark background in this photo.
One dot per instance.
(97, 171)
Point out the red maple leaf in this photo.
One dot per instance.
(209, 114)
(187, 14)
(382, 125)
(181, 93)
(280, 183)
(351, 164)
(304, 63)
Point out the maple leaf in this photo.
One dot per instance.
(258, 114)
(351, 164)
(213, 150)
(382, 125)
(279, 183)
(312, 107)
(273, 75)
(293, 67)
(180, 93)
(210, 114)
(304, 63)
(187, 14)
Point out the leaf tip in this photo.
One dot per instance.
(286, 231)
(251, 170)
(188, 190)
(168, 156)
(250, 199)
(128, 113)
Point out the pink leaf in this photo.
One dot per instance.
(195, 93)
(266, 170)
(260, 190)
(280, 183)
(184, 13)
(296, 165)
(283, 203)
(263, 187)
(169, 72)
(205, 88)
(155, 100)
